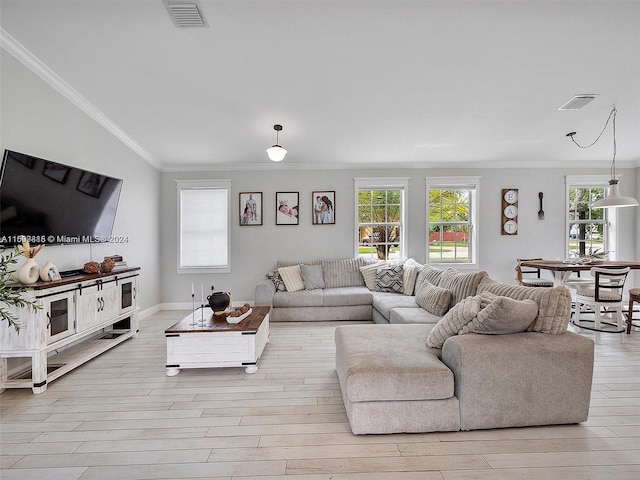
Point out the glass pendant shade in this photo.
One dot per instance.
(614, 199)
(276, 153)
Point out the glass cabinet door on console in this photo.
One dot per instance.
(60, 312)
(128, 293)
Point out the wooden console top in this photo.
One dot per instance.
(83, 277)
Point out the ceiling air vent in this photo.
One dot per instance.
(577, 102)
(185, 13)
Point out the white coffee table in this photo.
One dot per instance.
(192, 343)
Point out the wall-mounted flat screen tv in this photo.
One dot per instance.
(51, 203)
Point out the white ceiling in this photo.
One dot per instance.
(354, 83)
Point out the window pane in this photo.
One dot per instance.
(449, 225)
(587, 226)
(379, 223)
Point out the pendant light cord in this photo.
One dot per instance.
(612, 115)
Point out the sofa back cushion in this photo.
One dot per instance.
(431, 274)
(342, 272)
(554, 303)
(462, 285)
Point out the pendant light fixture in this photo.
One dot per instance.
(276, 153)
(614, 199)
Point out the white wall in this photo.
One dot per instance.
(38, 121)
(255, 249)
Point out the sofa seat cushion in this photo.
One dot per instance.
(346, 296)
(384, 302)
(302, 298)
(413, 315)
(390, 362)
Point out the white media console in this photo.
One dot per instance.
(79, 318)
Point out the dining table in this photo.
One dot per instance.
(562, 269)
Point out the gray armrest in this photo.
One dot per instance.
(520, 379)
(265, 289)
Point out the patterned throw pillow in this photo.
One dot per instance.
(455, 319)
(277, 281)
(292, 277)
(435, 300)
(389, 278)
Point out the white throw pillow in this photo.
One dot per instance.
(292, 277)
(369, 274)
(409, 275)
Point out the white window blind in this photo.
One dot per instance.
(203, 225)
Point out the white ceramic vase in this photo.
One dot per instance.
(44, 271)
(29, 272)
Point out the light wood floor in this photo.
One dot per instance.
(120, 417)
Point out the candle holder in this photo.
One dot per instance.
(193, 309)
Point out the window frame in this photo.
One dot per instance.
(610, 217)
(382, 183)
(471, 183)
(218, 184)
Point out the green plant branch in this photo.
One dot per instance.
(11, 296)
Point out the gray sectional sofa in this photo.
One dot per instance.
(449, 351)
(345, 296)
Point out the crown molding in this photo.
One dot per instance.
(15, 48)
(284, 166)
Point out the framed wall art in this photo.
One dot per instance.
(250, 208)
(91, 184)
(55, 171)
(287, 206)
(324, 207)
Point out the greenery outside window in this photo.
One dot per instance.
(451, 220)
(203, 226)
(380, 230)
(589, 230)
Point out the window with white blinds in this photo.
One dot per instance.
(203, 226)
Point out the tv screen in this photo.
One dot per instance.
(52, 203)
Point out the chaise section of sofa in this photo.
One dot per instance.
(391, 382)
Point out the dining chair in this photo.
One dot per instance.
(536, 281)
(634, 296)
(606, 294)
